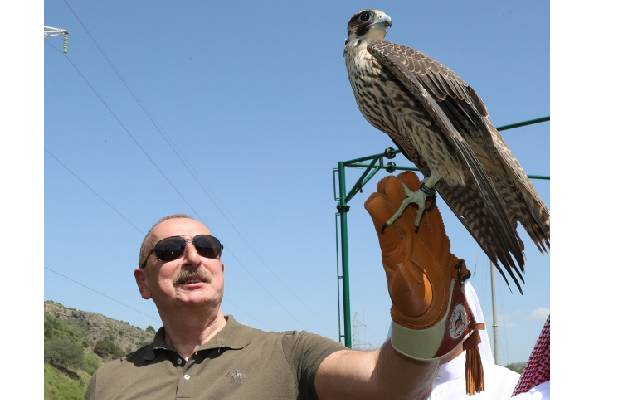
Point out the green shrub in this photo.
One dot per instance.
(52, 326)
(63, 353)
(106, 348)
(55, 327)
(91, 362)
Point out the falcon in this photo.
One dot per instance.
(442, 126)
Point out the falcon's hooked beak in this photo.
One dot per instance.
(369, 25)
(382, 21)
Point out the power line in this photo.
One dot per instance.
(240, 263)
(112, 207)
(128, 132)
(181, 159)
(99, 293)
(83, 182)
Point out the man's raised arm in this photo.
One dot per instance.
(429, 312)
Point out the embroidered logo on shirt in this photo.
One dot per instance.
(236, 376)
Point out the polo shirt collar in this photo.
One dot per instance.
(232, 336)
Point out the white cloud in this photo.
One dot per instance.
(540, 313)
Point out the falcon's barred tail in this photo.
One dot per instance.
(469, 206)
(484, 213)
(524, 204)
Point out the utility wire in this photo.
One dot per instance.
(239, 262)
(181, 159)
(83, 182)
(112, 207)
(128, 132)
(99, 293)
(226, 301)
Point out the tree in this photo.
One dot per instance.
(63, 353)
(106, 348)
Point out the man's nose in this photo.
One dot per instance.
(191, 254)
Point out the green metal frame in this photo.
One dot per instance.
(372, 165)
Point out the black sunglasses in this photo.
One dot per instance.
(171, 248)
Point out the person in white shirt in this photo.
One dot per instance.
(499, 382)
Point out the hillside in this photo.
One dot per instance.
(77, 342)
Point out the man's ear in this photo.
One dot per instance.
(140, 278)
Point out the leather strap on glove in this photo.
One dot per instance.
(425, 281)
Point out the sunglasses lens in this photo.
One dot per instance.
(170, 248)
(207, 246)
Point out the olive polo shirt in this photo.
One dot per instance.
(239, 362)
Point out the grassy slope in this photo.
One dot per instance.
(71, 338)
(59, 386)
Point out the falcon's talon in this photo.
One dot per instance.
(419, 197)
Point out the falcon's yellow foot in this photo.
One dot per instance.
(419, 197)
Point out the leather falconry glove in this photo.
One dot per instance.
(430, 315)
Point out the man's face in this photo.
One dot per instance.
(191, 279)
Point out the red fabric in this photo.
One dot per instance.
(538, 369)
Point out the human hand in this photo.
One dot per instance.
(423, 277)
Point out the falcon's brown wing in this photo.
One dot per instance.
(469, 116)
(457, 99)
(459, 115)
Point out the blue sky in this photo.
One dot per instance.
(251, 109)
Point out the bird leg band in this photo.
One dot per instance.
(427, 187)
(429, 190)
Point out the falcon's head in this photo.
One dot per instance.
(367, 25)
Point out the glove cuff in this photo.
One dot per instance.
(435, 341)
(419, 344)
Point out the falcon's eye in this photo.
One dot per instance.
(365, 16)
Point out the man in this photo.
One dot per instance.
(202, 353)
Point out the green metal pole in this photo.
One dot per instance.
(389, 152)
(523, 123)
(342, 210)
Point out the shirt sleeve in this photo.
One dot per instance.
(304, 352)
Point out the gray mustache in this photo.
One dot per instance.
(186, 275)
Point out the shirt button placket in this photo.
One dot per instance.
(184, 386)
